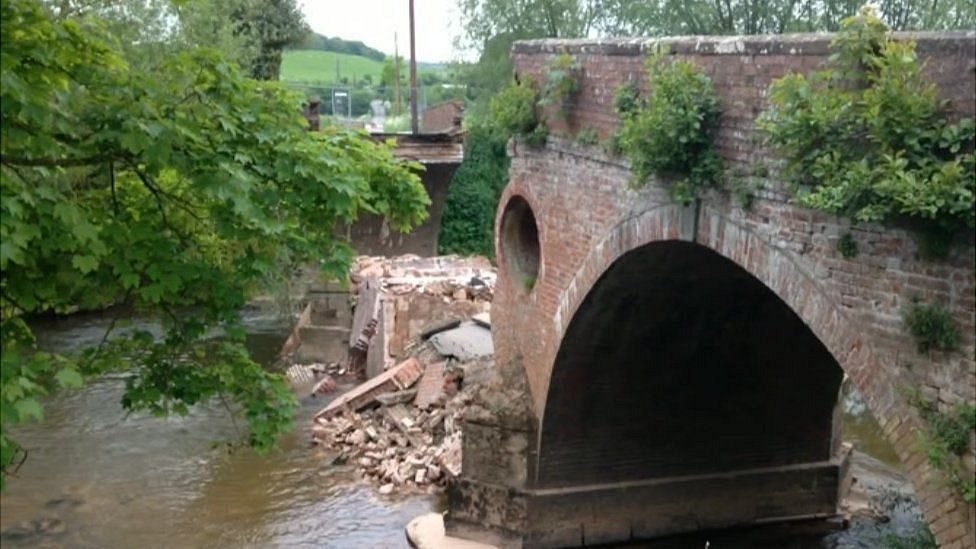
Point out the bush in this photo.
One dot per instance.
(562, 82)
(870, 139)
(467, 226)
(670, 135)
(513, 109)
(946, 441)
(931, 326)
(847, 246)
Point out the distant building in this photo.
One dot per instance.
(442, 117)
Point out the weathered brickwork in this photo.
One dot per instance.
(588, 216)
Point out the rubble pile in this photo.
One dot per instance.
(401, 430)
(420, 337)
(450, 277)
(399, 446)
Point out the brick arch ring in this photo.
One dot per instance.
(777, 270)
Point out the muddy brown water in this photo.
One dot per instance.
(97, 477)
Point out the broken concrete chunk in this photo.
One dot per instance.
(449, 325)
(482, 319)
(466, 342)
(431, 386)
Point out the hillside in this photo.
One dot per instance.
(317, 41)
(320, 66)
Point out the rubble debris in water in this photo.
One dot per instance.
(391, 441)
(414, 320)
(399, 377)
(318, 376)
(324, 386)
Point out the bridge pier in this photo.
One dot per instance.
(627, 511)
(498, 500)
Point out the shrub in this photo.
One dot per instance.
(869, 138)
(670, 134)
(847, 246)
(931, 326)
(513, 109)
(587, 137)
(467, 226)
(562, 82)
(946, 440)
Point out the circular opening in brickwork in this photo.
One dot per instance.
(520, 243)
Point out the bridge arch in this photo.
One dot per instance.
(605, 314)
(679, 362)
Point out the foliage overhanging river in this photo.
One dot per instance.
(96, 477)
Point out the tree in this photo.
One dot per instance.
(177, 191)
(484, 19)
(467, 226)
(252, 33)
(702, 17)
(273, 25)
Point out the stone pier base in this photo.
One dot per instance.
(587, 515)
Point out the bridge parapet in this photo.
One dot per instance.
(569, 226)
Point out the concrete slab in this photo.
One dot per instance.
(427, 532)
(466, 342)
(482, 319)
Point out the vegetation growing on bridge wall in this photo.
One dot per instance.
(947, 440)
(870, 138)
(931, 326)
(513, 111)
(669, 135)
(562, 83)
(847, 246)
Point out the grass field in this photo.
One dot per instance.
(320, 66)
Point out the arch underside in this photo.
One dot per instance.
(679, 362)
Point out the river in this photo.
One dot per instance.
(97, 477)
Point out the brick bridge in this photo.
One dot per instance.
(671, 369)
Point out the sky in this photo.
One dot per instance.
(374, 21)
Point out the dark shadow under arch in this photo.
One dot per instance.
(679, 362)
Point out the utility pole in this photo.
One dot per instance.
(396, 73)
(413, 77)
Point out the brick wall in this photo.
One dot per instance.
(588, 217)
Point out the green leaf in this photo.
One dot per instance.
(29, 408)
(84, 263)
(69, 378)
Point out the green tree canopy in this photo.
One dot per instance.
(175, 189)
